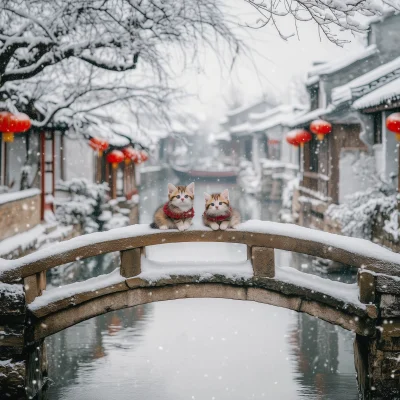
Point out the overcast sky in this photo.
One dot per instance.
(273, 65)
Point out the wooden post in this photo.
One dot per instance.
(398, 183)
(263, 262)
(366, 283)
(42, 174)
(34, 286)
(249, 253)
(98, 168)
(42, 282)
(53, 166)
(113, 182)
(131, 262)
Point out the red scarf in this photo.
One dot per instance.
(183, 215)
(218, 218)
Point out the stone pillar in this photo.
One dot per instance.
(377, 358)
(12, 327)
(23, 368)
(131, 262)
(263, 261)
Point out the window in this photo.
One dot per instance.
(314, 97)
(377, 127)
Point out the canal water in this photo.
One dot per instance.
(201, 349)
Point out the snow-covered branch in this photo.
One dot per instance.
(109, 34)
(331, 16)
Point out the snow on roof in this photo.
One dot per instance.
(344, 93)
(21, 194)
(223, 135)
(270, 112)
(279, 116)
(242, 128)
(388, 12)
(387, 92)
(245, 107)
(105, 133)
(336, 65)
(309, 116)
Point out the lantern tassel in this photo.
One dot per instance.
(398, 136)
(114, 165)
(8, 137)
(320, 136)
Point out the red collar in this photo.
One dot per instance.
(183, 215)
(219, 218)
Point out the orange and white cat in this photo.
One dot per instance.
(218, 213)
(177, 212)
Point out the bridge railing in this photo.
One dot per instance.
(261, 238)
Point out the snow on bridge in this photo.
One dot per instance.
(142, 279)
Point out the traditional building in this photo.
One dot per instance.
(334, 89)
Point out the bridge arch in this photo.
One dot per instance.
(349, 316)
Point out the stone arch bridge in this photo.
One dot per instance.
(370, 308)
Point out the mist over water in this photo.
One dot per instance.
(203, 348)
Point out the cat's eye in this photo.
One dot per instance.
(220, 203)
(212, 204)
(186, 196)
(179, 196)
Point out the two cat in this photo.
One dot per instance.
(178, 212)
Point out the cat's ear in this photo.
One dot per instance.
(225, 194)
(171, 188)
(207, 196)
(190, 188)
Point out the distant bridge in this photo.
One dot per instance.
(369, 308)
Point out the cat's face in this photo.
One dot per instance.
(181, 196)
(217, 203)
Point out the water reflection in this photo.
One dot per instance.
(202, 348)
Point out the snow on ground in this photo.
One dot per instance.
(21, 194)
(32, 239)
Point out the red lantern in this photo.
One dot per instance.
(99, 145)
(143, 156)
(291, 138)
(22, 122)
(130, 154)
(393, 124)
(10, 124)
(303, 136)
(115, 157)
(320, 128)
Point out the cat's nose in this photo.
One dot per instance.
(216, 207)
(183, 199)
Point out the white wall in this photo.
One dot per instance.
(389, 163)
(356, 172)
(79, 159)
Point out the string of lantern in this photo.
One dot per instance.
(321, 128)
(115, 156)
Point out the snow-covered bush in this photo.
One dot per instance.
(361, 209)
(287, 193)
(85, 204)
